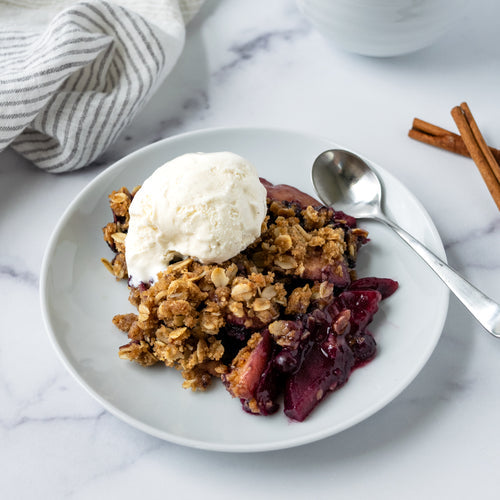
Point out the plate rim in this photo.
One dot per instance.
(196, 443)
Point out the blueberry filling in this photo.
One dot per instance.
(330, 344)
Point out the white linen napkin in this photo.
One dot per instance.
(73, 74)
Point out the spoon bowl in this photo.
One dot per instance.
(346, 182)
(342, 179)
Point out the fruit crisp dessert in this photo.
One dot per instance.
(283, 319)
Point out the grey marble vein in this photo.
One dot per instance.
(121, 466)
(196, 102)
(261, 43)
(477, 232)
(474, 246)
(25, 420)
(23, 276)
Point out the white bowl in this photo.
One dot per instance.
(382, 27)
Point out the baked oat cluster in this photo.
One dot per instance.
(260, 311)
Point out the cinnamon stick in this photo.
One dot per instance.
(429, 128)
(441, 138)
(478, 149)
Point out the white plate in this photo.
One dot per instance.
(79, 298)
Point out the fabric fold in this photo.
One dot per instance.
(67, 91)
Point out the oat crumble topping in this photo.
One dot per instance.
(183, 317)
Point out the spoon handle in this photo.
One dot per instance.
(485, 310)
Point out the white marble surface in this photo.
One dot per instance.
(259, 63)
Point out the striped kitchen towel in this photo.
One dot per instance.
(73, 74)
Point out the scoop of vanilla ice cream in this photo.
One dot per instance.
(209, 206)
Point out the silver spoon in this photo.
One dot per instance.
(345, 181)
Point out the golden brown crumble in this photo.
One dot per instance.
(239, 364)
(183, 318)
(124, 321)
(114, 232)
(138, 351)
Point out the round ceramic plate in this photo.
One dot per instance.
(79, 299)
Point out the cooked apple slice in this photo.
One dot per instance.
(320, 374)
(248, 366)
